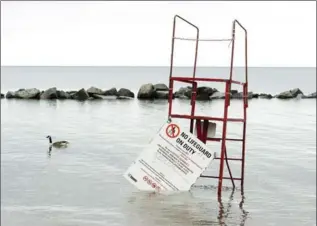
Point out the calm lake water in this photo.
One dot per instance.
(83, 184)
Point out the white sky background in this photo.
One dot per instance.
(139, 33)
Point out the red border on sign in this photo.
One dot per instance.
(173, 127)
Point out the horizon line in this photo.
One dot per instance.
(154, 66)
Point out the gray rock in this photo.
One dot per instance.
(188, 92)
(94, 90)
(161, 95)
(183, 93)
(98, 97)
(2, 95)
(50, 93)
(125, 93)
(300, 96)
(217, 95)
(27, 93)
(161, 87)
(250, 95)
(146, 91)
(81, 95)
(309, 96)
(10, 95)
(206, 90)
(265, 96)
(203, 93)
(296, 92)
(255, 95)
(240, 95)
(72, 94)
(284, 95)
(62, 95)
(289, 94)
(233, 91)
(110, 92)
(203, 96)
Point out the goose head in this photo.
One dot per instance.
(50, 138)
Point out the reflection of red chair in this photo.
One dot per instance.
(202, 122)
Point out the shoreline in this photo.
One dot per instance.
(149, 91)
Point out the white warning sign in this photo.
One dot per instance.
(173, 161)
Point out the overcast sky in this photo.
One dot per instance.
(139, 33)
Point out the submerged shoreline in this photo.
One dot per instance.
(149, 91)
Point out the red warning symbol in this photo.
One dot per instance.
(172, 130)
(151, 183)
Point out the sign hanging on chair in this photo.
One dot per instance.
(172, 161)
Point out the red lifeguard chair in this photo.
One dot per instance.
(202, 122)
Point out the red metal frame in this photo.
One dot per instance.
(202, 134)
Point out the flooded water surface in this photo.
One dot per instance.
(84, 185)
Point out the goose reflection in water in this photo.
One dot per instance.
(49, 151)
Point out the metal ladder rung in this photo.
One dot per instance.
(233, 159)
(226, 178)
(220, 139)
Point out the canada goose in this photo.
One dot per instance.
(58, 144)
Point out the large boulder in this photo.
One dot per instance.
(146, 91)
(125, 93)
(161, 87)
(161, 95)
(10, 95)
(71, 93)
(94, 90)
(50, 93)
(203, 92)
(62, 95)
(111, 92)
(80, 95)
(27, 93)
(289, 94)
(205, 89)
(183, 93)
(309, 96)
